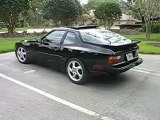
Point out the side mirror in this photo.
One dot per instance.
(45, 41)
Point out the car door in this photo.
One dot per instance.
(68, 44)
(49, 47)
(70, 41)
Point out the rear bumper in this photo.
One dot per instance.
(120, 68)
(124, 68)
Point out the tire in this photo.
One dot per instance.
(77, 72)
(23, 55)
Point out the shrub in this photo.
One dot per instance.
(155, 28)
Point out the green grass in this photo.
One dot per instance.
(146, 47)
(142, 36)
(17, 29)
(8, 44)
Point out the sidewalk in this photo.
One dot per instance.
(38, 30)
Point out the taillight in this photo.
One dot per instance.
(114, 59)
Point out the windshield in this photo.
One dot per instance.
(103, 37)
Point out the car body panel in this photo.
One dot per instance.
(92, 55)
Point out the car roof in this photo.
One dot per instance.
(76, 27)
(83, 27)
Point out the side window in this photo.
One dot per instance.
(70, 38)
(55, 36)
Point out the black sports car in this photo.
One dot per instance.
(81, 51)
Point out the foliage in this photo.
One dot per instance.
(109, 13)
(63, 11)
(149, 9)
(155, 28)
(11, 10)
(35, 17)
(93, 4)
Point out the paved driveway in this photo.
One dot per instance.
(34, 92)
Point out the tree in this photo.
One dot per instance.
(63, 11)
(149, 9)
(108, 13)
(146, 10)
(10, 11)
(35, 13)
(93, 4)
(129, 7)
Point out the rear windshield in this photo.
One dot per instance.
(94, 36)
(101, 36)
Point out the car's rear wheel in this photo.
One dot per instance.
(22, 55)
(77, 71)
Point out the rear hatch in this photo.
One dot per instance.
(122, 46)
(128, 52)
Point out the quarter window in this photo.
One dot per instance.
(55, 36)
(70, 38)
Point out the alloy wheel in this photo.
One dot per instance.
(75, 70)
(21, 54)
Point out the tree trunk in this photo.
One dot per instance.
(148, 30)
(11, 29)
(11, 25)
(143, 21)
(104, 23)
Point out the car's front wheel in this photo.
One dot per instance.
(22, 55)
(77, 71)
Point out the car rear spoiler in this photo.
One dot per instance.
(123, 47)
(115, 48)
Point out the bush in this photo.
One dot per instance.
(127, 31)
(155, 28)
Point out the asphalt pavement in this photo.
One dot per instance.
(35, 92)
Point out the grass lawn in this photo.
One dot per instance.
(17, 29)
(8, 44)
(154, 36)
(147, 47)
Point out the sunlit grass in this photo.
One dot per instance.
(8, 44)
